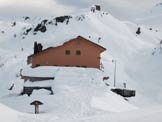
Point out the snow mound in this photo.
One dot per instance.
(8, 115)
(40, 92)
(110, 102)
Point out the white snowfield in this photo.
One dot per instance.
(80, 94)
(8, 115)
(151, 114)
(151, 18)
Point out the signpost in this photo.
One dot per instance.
(114, 61)
(36, 103)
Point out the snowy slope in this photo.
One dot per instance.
(80, 92)
(143, 115)
(151, 18)
(13, 115)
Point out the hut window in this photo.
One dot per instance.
(67, 52)
(78, 52)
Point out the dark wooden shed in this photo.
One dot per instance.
(98, 7)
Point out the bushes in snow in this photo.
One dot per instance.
(161, 42)
(99, 38)
(67, 21)
(13, 24)
(2, 32)
(1, 65)
(26, 18)
(138, 31)
(80, 18)
(14, 35)
(27, 31)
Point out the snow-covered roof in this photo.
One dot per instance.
(43, 71)
(46, 83)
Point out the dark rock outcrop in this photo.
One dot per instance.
(40, 27)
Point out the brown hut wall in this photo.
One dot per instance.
(56, 56)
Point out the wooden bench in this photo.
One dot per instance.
(29, 90)
(124, 92)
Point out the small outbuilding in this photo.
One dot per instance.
(98, 7)
(76, 52)
(95, 7)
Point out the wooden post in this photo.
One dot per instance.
(36, 105)
(36, 109)
(114, 61)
